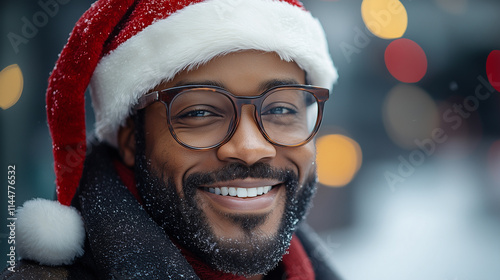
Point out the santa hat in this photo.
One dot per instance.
(122, 49)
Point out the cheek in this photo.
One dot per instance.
(167, 157)
(304, 159)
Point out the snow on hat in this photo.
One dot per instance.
(122, 49)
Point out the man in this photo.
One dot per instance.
(203, 167)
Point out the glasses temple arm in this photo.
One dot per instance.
(146, 100)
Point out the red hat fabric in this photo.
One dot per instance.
(67, 85)
(123, 48)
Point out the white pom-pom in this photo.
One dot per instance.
(49, 232)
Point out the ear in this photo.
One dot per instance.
(126, 142)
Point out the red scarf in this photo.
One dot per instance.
(295, 263)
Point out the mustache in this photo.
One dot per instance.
(235, 171)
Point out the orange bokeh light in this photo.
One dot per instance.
(338, 159)
(386, 19)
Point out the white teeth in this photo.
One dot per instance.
(260, 190)
(240, 192)
(252, 192)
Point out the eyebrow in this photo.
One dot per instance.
(262, 86)
(200, 83)
(277, 82)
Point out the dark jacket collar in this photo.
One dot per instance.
(123, 242)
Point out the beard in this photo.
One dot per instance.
(183, 220)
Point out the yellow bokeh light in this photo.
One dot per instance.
(386, 19)
(11, 86)
(338, 158)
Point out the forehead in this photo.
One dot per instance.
(243, 73)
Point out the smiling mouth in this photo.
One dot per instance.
(244, 196)
(239, 192)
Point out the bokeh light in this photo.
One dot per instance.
(406, 60)
(493, 69)
(409, 115)
(338, 158)
(452, 6)
(11, 86)
(386, 19)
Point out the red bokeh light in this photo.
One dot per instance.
(493, 69)
(406, 60)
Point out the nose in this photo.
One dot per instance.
(247, 145)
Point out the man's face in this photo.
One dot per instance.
(174, 181)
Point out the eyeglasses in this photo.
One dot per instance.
(204, 117)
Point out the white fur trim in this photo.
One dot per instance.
(49, 232)
(194, 36)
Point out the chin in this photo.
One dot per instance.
(226, 224)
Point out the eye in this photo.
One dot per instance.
(198, 111)
(197, 114)
(280, 114)
(279, 110)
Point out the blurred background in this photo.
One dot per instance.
(409, 151)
